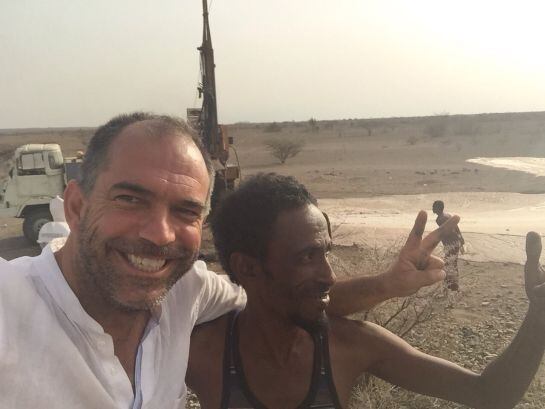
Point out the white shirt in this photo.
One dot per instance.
(51, 231)
(54, 355)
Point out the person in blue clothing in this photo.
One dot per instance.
(453, 244)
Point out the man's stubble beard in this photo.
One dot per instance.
(102, 281)
(312, 326)
(309, 325)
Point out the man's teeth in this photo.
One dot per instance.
(149, 265)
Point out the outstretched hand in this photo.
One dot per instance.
(415, 266)
(534, 276)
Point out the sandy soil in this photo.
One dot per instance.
(372, 177)
(494, 224)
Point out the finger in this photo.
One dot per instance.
(533, 273)
(415, 236)
(539, 291)
(432, 240)
(425, 262)
(432, 276)
(436, 263)
(533, 248)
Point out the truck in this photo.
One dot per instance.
(39, 173)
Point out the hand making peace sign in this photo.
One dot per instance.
(415, 266)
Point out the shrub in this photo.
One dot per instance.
(412, 140)
(272, 127)
(313, 125)
(283, 149)
(368, 125)
(437, 126)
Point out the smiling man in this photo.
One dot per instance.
(284, 351)
(105, 321)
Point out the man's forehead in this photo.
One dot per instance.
(172, 148)
(150, 131)
(305, 220)
(150, 126)
(137, 156)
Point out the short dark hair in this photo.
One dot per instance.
(244, 220)
(96, 156)
(438, 205)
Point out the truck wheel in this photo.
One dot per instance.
(34, 221)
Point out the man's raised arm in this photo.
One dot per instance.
(508, 377)
(414, 268)
(502, 383)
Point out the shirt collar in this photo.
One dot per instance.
(45, 267)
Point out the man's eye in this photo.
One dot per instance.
(128, 199)
(306, 257)
(188, 213)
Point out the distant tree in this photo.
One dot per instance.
(369, 126)
(466, 125)
(437, 125)
(313, 125)
(412, 140)
(272, 127)
(283, 149)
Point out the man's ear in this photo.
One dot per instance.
(73, 204)
(244, 267)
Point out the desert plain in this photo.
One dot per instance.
(372, 176)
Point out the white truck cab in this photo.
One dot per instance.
(39, 173)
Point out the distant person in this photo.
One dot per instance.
(452, 243)
(58, 228)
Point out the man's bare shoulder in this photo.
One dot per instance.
(210, 334)
(346, 328)
(204, 371)
(207, 344)
(357, 337)
(356, 348)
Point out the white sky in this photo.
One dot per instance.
(79, 62)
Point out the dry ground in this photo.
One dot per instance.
(400, 156)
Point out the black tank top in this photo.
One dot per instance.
(236, 393)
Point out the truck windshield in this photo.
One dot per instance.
(30, 164)
(55, 159)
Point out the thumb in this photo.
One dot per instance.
(415, 236)
(533, 248)
(432, 276)
(533, 274)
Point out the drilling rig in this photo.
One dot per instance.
(205, 119)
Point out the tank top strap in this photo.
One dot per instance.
(323, 393)
(237, 394)
(235, 391)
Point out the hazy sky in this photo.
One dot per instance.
(79, 62)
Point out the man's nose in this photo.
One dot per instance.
(327, 276)
(157, 227)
